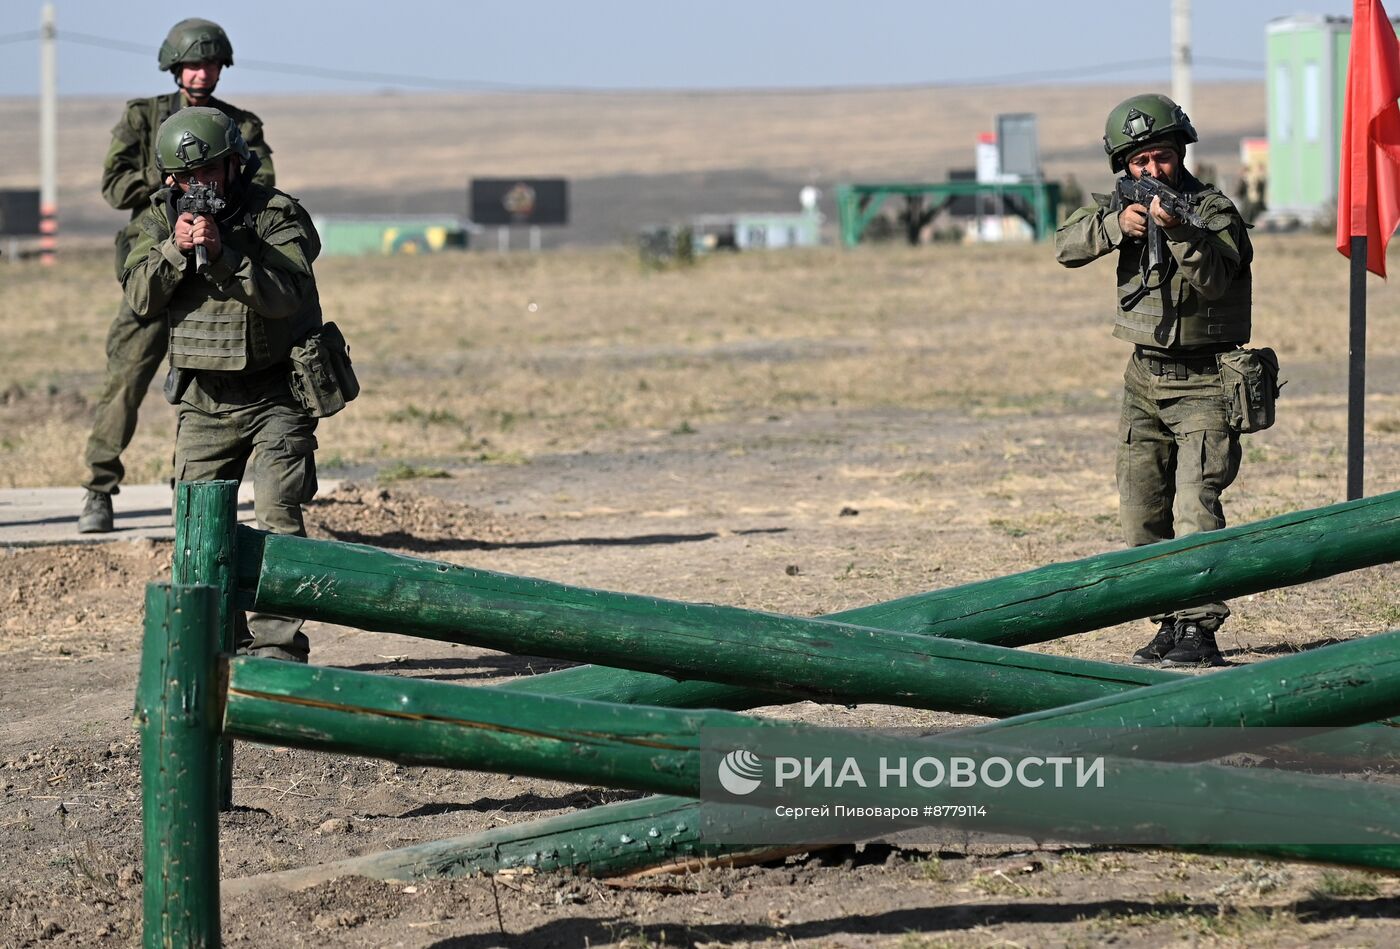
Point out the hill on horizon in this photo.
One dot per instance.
(632, 158)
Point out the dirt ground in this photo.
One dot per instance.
(771, 447)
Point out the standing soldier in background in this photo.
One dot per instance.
(195, 53)
(1177, 448)
(234, 288)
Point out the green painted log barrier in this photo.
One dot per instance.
(605, 841)
(1034, 606)
(632, 836)
(436, 724)
(1063, 599)
(641, 687)
(372, 589)
(177, 713)
(1334, 687)
(206, 521)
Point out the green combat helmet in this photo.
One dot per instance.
(1141, 120)
(195, 41)
(195, 137)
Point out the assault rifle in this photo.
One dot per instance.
(201, 199)
(1141, 191)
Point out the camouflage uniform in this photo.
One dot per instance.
(136, 346)
(1176, 449)
(231, 330)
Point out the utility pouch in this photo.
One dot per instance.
(176, 381)
(1250, 381)
(322, 378)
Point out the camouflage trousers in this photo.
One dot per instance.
(1176, 454)
(224, 422)
(135, 350)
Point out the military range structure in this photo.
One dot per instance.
(192, 694)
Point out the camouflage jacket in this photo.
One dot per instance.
(129, 173)
(256, 299)
(1207, 298)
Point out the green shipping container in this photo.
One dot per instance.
(1307, 86)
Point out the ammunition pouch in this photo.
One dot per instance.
(323, 379)
(1249, 378)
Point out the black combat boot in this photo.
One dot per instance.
(97, 514)
(1163, 643)
(1194, 647)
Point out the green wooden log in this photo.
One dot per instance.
(1247, 707)
(206, 521)
(610, 840)
(364, 587)
(632, 836)
(1033, 606)
(372, 589)
(1063, 599)
(438, 724)
(178, 711)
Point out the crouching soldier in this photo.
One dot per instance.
(228, 263)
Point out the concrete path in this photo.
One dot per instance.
(33, 517)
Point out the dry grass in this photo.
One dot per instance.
(457, 368)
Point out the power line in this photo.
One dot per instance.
(301, 69)
(7, 38)
(87, 39)
(484, 85)
(1226, 63)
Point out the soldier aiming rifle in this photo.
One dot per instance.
(1183, 299)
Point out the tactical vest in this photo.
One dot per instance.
(209, 330)
(1175, 315)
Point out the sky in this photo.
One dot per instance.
(352, 46)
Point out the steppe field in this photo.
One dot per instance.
(798, 432)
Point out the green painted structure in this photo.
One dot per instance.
(178, 710)
(1306, 62)
(351, 235)
(188, 696)
(858, 204)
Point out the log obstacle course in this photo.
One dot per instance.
(948, 650)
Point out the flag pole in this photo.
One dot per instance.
(1356, 386)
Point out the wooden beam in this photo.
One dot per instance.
(206, 522)
(1063, 599)
(438, 724)
(177, 712)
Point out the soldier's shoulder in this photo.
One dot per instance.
(140, 111)
(264, 196)
(271, 205)
(240, 115)
(281, 219)
(155, 220)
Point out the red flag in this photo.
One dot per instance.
(1368, 200)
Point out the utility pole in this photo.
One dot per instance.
(48, 131)
(1181, 54)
